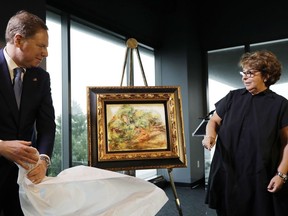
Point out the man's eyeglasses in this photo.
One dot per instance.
(248, 73)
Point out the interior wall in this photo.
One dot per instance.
(2, 43)
(11, 7)
(179, 62)
(229, 25)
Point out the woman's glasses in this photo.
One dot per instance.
(248, 73)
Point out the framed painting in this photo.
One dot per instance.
(135, 127)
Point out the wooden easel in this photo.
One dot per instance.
(132, 44)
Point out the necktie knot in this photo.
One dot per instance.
(18, 73)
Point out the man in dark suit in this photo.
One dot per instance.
(31, 126)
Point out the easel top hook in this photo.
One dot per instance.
(132, 43)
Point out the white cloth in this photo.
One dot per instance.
(89, 191)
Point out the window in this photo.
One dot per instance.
(97, 59)
(54, 67)
(279, 48)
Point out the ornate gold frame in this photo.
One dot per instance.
(101, 100)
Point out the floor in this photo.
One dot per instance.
(191, 202)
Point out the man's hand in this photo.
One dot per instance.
(37, 174)
(20, 152)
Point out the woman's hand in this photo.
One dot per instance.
(275, 184)
(211, 131)
(208, 142)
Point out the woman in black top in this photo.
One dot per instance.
(250, 129)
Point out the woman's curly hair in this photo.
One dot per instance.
(264, 61)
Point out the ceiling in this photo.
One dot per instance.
(125, 17)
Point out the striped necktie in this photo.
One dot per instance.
(17, 83)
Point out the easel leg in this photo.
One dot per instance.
(177, 201)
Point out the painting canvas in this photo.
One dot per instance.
(135, 127)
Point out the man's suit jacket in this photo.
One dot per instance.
(35, 118)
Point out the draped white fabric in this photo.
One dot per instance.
(89, 191)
